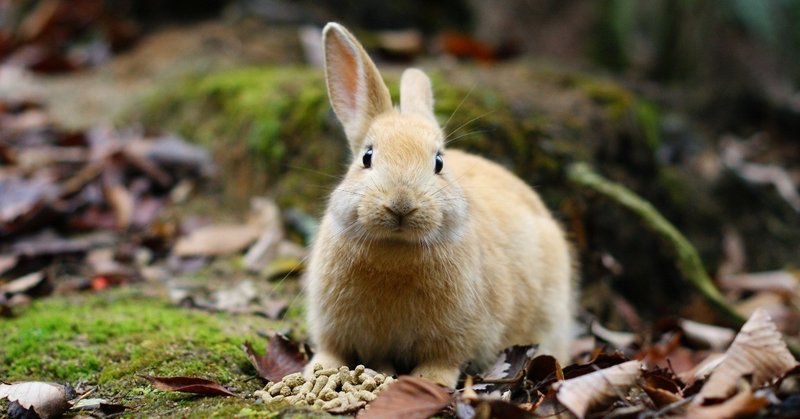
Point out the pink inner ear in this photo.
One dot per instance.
(346, 74)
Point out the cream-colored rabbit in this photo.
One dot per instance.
(426, 258)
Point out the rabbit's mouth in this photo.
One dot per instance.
(406, 229)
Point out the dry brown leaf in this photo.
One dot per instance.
(192, 385)
(598, 388)
(216, 240)
(283, 357)
(7, 262)
(121, 201)
(47, 399)
(784, 283)
(758, 350)
(743, 404)
(702, 370)
(496, 408)
(662, 387)
(24, 283)
(617, 339)
(409, 398)
(714, 337)
(268, 217)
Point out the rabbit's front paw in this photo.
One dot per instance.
(446, 376)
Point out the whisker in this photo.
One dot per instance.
(444, 127)
(468, 133)
(316, 172)
(468, 122)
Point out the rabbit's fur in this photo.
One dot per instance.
(419, 272)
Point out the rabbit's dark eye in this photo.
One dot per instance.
(367, 159)
(439, 164)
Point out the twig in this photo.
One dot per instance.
(668, 408)
(688, 261)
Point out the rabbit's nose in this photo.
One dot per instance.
(400, 209)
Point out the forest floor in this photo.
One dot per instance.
(128, 259)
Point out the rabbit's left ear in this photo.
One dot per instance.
(416, 94)
(355, 87)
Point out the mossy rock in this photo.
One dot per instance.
(272, 128)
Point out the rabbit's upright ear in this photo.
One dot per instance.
(355, 87)
(416, 95)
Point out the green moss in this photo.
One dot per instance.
(107, 340)
(649, 121)
(260, 119)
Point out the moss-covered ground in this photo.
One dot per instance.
(104, 341)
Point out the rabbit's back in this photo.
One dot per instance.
(525, 258)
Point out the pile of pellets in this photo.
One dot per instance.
(330, 388)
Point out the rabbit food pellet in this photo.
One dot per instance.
(329, 389)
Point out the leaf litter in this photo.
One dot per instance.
(283, 357)
(119, 183)
(192, 385)
(46, 400)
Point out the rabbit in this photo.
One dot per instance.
(426, 259)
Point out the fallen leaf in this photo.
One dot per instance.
(702, 370)
(121, 201)
(34, 284)
(619, 340)
(102, 406)
(265, 248)
(21, 198)
(463, 46)
(662, 387)
(283, 357)
(233, 299)
(188, 385)
(409, 398)
(758, 351)
(508, 372)
(510, 363)
(709, 336)
(23, 283)
(670, 353)
(175, 153)
(544, 370)
(8, 262)
(496, 408)
(400, 44)
(743, 404)
(598, 388)
(273, 309)
(216, 240)
(48, 243)
(46, 399)
(781, 282)
(601, 361)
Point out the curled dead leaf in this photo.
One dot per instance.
(46, 399)
(597, 388)
(409, 398)
(662, 387)
(707, 335)
(192, 385)
(757, 351)
(216, 240)
(618, 339)
(743, 404)
(283, 357)
(496, 408)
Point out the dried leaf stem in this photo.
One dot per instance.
(688, 261)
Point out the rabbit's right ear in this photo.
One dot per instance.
(355, 87)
